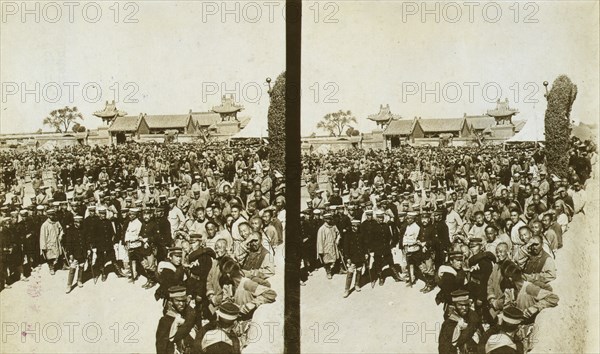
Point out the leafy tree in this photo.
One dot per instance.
(62, 118)
(335, 122)
(276, 125)
(78, 128)
(557, 125)
(352, 132)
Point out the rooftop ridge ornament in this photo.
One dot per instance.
(228, 109)
(502, 113)
(384, 117)
(109, 113)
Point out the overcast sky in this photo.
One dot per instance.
(384, 53)
(178, 56)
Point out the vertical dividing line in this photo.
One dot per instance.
(293, 241)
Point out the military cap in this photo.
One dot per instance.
(355, 222)
(177, 291)
(475, 241)
(228, 311)
(174, 250)
(512, 315)
(460, 296)
(455, 255)
(195, 236)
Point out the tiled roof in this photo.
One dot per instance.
(441, 125)
(125, 124)
(167, 121)
(110, 111)
(481, 122)
(205, 118)
(384, 114)
(399, 127)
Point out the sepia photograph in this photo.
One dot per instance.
(449, 199)
(143, 197)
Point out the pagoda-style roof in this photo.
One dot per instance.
(228, 105)
(110, 111)
(384, 115)
(502, 110)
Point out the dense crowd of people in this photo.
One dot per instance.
(203, 225)
(483, 225)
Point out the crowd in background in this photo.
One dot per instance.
(483, 225)
(202, 224)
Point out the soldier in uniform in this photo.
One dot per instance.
(149, 235)
(450, 277)
(380, 246)
(461, 329)
(175, 331)
(480, 265)
(51, 234)
(355, 255)
(427, 238)
(169, 273)
(103, 242)
(4, 251)
(77, 249)
(219, 337)
(503, 338)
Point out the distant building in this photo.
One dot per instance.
(110, 113)
(127, 128)
(399, 132)
(384, 117)
(434, 127)
(221, 122)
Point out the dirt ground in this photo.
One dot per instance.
(108, 317)
(397, 319)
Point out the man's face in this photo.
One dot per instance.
(479, 219)
(536, 246)
(175, 259)
(132, 215)
(475, 248)
(490, 234)
(221, 248)
(547, 221)
(255, 223)
(380, 219)
(536, 227)
(245, 231)
(514, 217)
(211, 230)
(524, 235)
(425, 220)
(235, 213)
(147, 217)
(456, 263)
(462, 308)
(179, 304)
(502, 252)
(209, 212)
(487, 216)
(200, 215)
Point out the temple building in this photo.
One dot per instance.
(228, 109)
(503, 115)
(220, 123)
(110, 113)
(384, 117)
